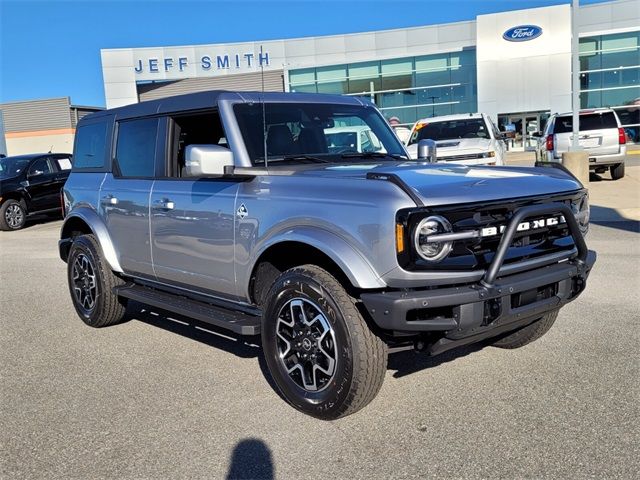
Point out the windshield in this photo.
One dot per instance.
(310, 132)
(451, 129)
(12, 167)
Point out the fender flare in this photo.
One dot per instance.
(355, 266)
(99, 230)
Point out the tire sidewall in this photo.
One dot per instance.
(82, 245)
(329, 400)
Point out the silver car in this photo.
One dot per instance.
(601, 135)
(234, 210)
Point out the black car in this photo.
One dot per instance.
(31, 184)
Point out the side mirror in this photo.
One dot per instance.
(427, 150)
(536, 134)
(207, 160)
(35, 173)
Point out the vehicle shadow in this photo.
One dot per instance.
(403, 363)
(610, 218)
(251, 459)
(407, 362)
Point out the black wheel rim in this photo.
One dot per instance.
(85, 287)
(306, 344)
(14, 216)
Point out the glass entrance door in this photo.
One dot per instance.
(520, 127)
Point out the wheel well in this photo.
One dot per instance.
(285, 255)
(72, 228)
(14, 196)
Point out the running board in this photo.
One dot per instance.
(237, 322)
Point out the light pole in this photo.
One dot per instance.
(575, 76)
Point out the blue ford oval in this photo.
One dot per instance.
(522, 33)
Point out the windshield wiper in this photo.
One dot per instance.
(373, 155)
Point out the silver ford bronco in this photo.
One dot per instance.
(262, 213)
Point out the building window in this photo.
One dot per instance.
(406, 88)
(610, 76)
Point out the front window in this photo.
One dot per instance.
(450, 129)
(315, 132)
(12, 167)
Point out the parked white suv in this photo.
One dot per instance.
(470, 139)
(601, 135)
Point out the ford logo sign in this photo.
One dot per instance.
(522, 33)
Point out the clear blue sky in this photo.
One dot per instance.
(52, 48)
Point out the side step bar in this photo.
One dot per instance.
(238, 322)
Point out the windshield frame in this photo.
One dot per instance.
(236, 130)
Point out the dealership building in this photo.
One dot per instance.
(514, 66)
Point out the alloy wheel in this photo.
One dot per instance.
(14, 216)
(84, 282)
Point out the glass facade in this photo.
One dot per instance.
(610, 76)
(407, 88)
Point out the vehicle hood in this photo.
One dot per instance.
(455, 146)
(445, 184)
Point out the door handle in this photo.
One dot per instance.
(109, 200)
(164, 204)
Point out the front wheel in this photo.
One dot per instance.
(528, 334)
(323, 357)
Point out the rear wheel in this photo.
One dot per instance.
(528, 334)
(322, 355)
(617, 171)
(91, 284)
(13, 215)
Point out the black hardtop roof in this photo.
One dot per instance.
(209, 99)
(31, 156)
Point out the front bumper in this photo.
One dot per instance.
(494, 305)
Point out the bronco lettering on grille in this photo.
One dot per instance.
(524, 226)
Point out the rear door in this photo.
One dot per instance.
(124, 196)
(598, 133)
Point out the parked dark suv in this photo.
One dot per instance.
(31, 184)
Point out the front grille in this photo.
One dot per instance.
(468, 156)
(477, 253)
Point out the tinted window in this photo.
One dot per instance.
(136, 147)
(593, 121)
(90, 146)
(12, 167)
(40, 167)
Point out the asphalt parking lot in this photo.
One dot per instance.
(156, 398)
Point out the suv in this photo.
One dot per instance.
(229, 208)
(31, 184)
(601, 135)
(469, 139)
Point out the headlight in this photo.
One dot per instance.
(581, 211)
(427, 248)
(489, 154)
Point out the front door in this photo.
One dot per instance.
(192, 228)
(42, 185)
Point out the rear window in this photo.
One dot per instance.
(136, 147)
(590, 121)
(90, 146)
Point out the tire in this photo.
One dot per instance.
(617, 171)
(91, 284)
(13, 215)
(528, 334)
(334, 329)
